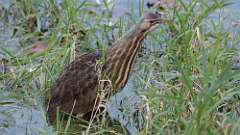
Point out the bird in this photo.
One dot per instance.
(76, 90)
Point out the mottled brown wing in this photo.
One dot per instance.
(78, 82)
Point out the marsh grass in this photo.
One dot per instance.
(194, 90)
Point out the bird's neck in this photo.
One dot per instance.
(121, 56)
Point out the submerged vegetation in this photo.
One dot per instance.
(187, 74)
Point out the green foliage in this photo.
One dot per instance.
(195, 91)
(196, 99)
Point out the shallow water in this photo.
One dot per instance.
(17, 119)
(21, 119)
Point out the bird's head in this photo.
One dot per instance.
(150, 21)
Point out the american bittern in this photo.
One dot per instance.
(77, 87)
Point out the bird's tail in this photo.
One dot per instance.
(52, 112)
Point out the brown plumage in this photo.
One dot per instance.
(78, 84)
